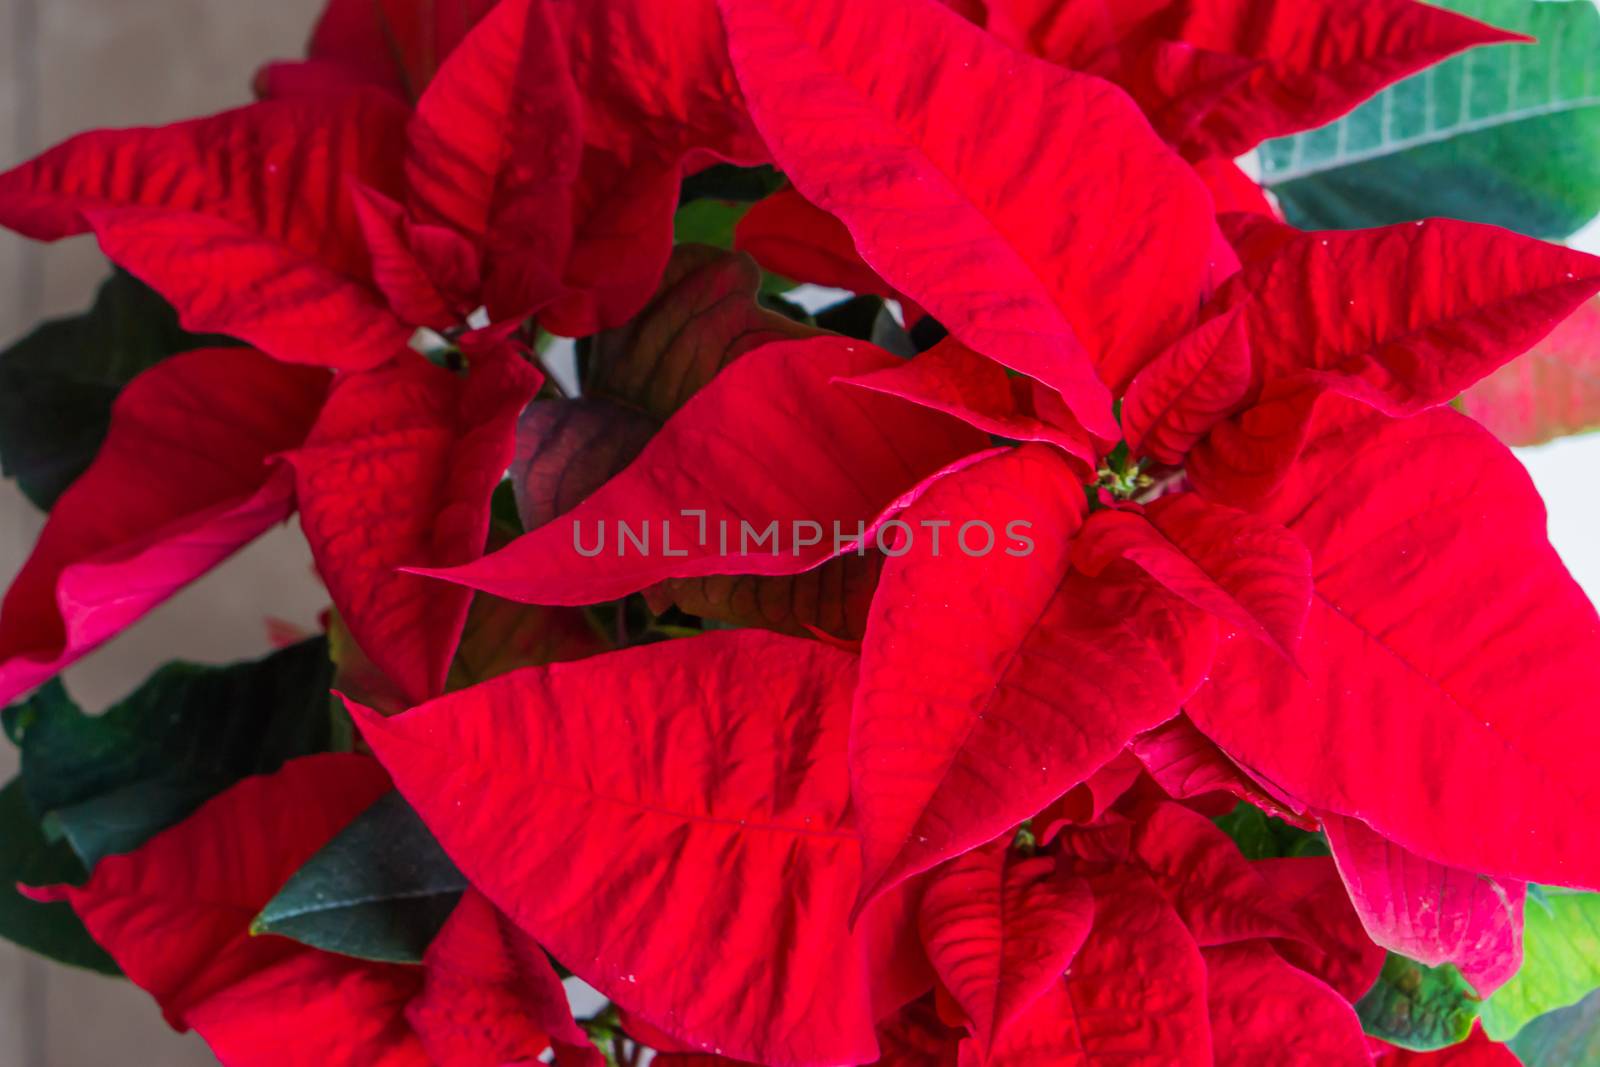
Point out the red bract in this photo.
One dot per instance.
(1409, 523)
(490, 995)
(791, 237)
(968, 656)
(176, 913)
(720, 762)
(158, 509)
(906, 699)
(1001, 929)
(1219, 76)
(785, 447)
(398, 471)
(242, 220)
(1428, 912)
(954, 225)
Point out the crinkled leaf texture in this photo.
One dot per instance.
(157, 508)
(490, 995)
(1266, 1013)
(659, 101)
(1428, 912)
(1387, 315)
(1436, 591)
(1221, 897)
(494, 149)
(712, 770)
(958, 381)
(1000, 929)
(994, 681)
(398, 472)
(1239, 567)
(770, 441)
(1135, 994)
(1316, 59)
(243, 220)
(883, 138)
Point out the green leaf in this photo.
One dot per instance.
(57, 384)
(51, 930)
(1507, 134)
(1417, 1007)
(379, 891)
(1560, 961)
(708, 222)
(1261, 836)
(1565, 1038)
(107, 783)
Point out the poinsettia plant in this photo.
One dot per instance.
(857, 530)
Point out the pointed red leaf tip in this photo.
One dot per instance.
(1386, 315)
(789, 235)
(1476, 1051)
(1339, 953)
(958, 381)
(395, 45)
(1186, 764)
(771, 442)
(1182, 393)
(175, 913)
(1221, 897)
(1078, 302)
(1135, 994)
(314, 1008)
(156, 510)
(712, 770)
(494, 149)
(1266, 1013)
(1232, 190)
(1239, 567)
(399, 471)
(1444, 634)
(1316, 60)
(1000, 929)
(660, 101)
(993, 677)
(490, 995)
(428, 274)
(1429, 912)
(1552, 391)
(241, 220)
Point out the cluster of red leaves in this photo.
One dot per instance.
(1319, 589)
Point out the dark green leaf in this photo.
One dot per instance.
(1261, 836)
(1566, 1038)
(1417, 1007)
(379, 891)
(57, 384)
(51, 930)
(728, 182)
(109, 782)
(1508, 134)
